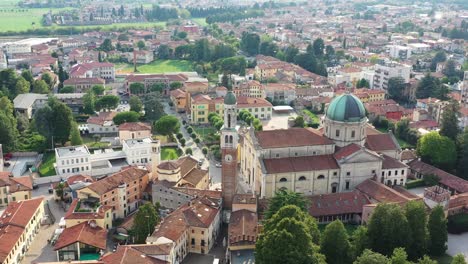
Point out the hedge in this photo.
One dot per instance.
(415, 184)
(457, 224)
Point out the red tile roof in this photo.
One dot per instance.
(382, 193)
(248, 102)
(101, 118)
(13, 221)
(243, 228)
(347, 151)
(132, 255)
(337, 203)
(76, 81)
(107, 184)
(453, 182)
(298, 164)
(294, 137)
(100, 213)
(84, 233)
(16, 184)
(391, 163)
(134, 126)
(381, 142)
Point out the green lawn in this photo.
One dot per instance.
(313, 117)
(157, 66)
(47, 166)
(170, 153)
(90, 142)
(201, 21)
(204, 132)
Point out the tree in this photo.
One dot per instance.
(48, 80)
(290, 53)
(396, 87)
(388, 229)
(188, 151)
(458, 259)
(319, 46)
(450, 69)
(462, 169)
(167, 125)
(137, 88)
(449, 125)
(437, 150)
(370, 257)
(334, 243)
(89, 101)
(144, 223)
(287, 239)
(98, 89)
(359, 241)
(182, 142)
(250, 43)
(299, 121)
(59, 190)
(125, 117)
(427, 260)
(437, 226)
(175, 85)
(107, 102)
(182, 34)
(75, 137)
(41, 87)
(8, 129)
(141, 44)
(399, 256)
(363, 83)
(439, 57)
(62, 120)
(135, 104)
(123, 37)
(27, 75)
(430, 86)
(164, 52)
(153, 106)
(205, 150)
(106, 45)
(283, 198)
(67, 89)
(415, 212)
(402, 128)
(22, 86)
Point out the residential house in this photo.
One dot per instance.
(83, 241)
(141, 254)
(179, 99)
(81, 211)
(122, 191)
(134, 130)
(141, 56)
(19, 225)
(75, 159)
(103, 70)
(14, 189)
(383, 72)
(102, 124)
(280, 92)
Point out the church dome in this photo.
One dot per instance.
(230, 98)
(346, 108)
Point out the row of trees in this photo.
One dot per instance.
(291, 235)
(250, 120)
(12, 85)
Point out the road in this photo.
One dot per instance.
(41, 250)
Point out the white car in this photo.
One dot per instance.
(218, 165)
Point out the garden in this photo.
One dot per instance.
(157, 66)
(47, 165)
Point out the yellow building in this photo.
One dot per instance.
(368, 95)
(179, 99)
(82, 211)
(14, 188)
(201, 105)
(183, 172)
(20, 222)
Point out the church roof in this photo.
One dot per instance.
(297, 164)
(293, 137)
(346, 108)
(230, 98)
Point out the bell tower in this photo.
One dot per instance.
(229, 140)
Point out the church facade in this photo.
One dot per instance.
(340, 155)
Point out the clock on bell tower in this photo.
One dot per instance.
(229, 141)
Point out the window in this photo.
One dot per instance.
(302, 178)
(396, 172)
(389, 173)
(402, 172)
(347, 185)
(348, 173)
(321, 177)
(335, 173)
(383, 173)
(373, 171)
(283, 180)
(202, 232)
(277, 155)
(353, 134)
(337, 133)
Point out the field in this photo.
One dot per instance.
(201, 21)
(204, 132)
(47, 166)
(157, 66)
(169, 153)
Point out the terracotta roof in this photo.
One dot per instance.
(100, 213)
(84, 233)
(131, 255)
(347, 151)
(170, 77)
(381, 142)
(248, 102)
(134, 126)
(244, 199)
(337, 203)
(79, 178)
(243, 228)
(391, 163)
(107, 184)
(298, 164)
(453, 182)
(75, 81)
(459, 200)
(16, 184)
(294, 137)
(13, 221)
(198, 192)
(101, 118)
(382, 193)
(195, 176)
(168, 165)
(178, 93)
(408, 154)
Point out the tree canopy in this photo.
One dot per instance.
(167, 125)
(146, 218)
(124, 117)
(437, 150)
(335, 245)
(437, 226)
(283, 198)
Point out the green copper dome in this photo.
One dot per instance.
(346, 108)
(230, 98)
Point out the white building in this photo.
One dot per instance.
(137, 151)
(74, 160)
(418, 48)
(400, 52)
(383, 72)
(102, 70)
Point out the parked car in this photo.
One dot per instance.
(7, 164)
(218, 165)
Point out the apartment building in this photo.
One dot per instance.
(13, 189)
(75, 159)
(383, 72)
(134, 130)
(102, 123)
(122, 191)
(81, 211)
(19, 224)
